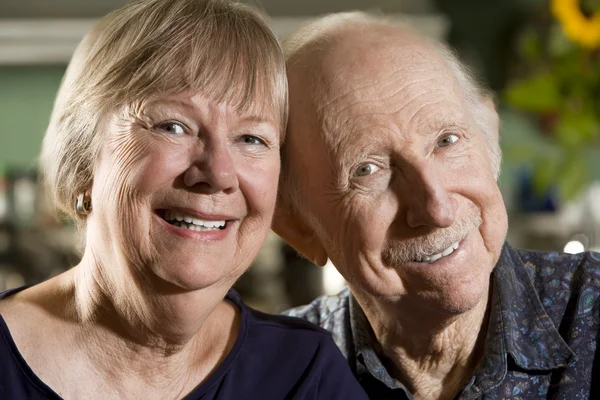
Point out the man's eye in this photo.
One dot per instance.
(447, 140)
(170, 127)
(252, 140)
(366, 169)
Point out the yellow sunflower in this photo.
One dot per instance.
(579, 28)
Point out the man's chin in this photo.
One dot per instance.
(435, 303)
(454, 302)
(452, 294)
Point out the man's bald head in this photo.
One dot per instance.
(341, 51)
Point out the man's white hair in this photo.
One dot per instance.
(319, 32)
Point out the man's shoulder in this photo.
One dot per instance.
(547, 267)
(324, 310)
(333, 314)
(562, 280)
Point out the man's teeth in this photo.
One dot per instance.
(189, 222)
(435, 257)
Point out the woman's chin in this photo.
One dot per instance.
(187, 276)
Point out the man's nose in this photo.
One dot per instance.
(427, 200)
(212, 169)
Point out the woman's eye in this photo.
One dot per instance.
(447, 140)
(252, 140)
(366, 169)
(172, 128)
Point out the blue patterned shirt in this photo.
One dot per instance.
(542, 338)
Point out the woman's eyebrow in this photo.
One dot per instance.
(160, 103)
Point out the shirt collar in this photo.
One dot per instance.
(518, 326)
(368, 362)
(530, 335)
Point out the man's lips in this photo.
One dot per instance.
(451, 251)
(443, 253)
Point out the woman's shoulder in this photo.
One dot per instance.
(277, 324)
(288, 323)
(282, 336)
(8, 292)
(33, 327)
(17, 379)
(19, 302)
(10, 303)
(7, 305)
(283, 355)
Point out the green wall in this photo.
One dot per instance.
(26, 98)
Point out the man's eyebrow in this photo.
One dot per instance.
(350, 152)
(439, 125)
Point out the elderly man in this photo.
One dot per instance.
(390, 171)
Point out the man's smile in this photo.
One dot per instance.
(434, 257)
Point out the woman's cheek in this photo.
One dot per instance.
(259, 180)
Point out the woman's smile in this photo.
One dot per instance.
(196, 225)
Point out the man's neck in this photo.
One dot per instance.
(433, 354)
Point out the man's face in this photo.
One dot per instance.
(396, 175)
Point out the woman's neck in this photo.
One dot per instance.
(139, 305)
(81, 342)
(150, 330)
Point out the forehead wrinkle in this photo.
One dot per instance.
(330, 110)
(342, 126)
(423, 109)
(443, 104)
(348, 146)
(368, 102)
(434, 118)
(385, 81)
(337, 87)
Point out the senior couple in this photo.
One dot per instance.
(164, 146)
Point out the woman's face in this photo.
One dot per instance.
(184, 190)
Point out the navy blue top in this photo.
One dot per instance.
(274, 357)
(543, 335)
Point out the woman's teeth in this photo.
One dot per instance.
(444, 253)
(189, 222)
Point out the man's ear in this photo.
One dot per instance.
(294, 230)
(489, 102)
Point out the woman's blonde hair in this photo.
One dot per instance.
(220, 48)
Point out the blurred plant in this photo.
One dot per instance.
(561, 91)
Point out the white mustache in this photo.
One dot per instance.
(412, 249)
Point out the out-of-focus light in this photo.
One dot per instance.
(574, 247)
(333, 282)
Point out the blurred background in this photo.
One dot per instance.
(541, 59)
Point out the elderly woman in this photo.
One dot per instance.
(164, 146)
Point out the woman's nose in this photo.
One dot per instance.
(213, 170)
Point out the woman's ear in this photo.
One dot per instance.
(294, 230)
